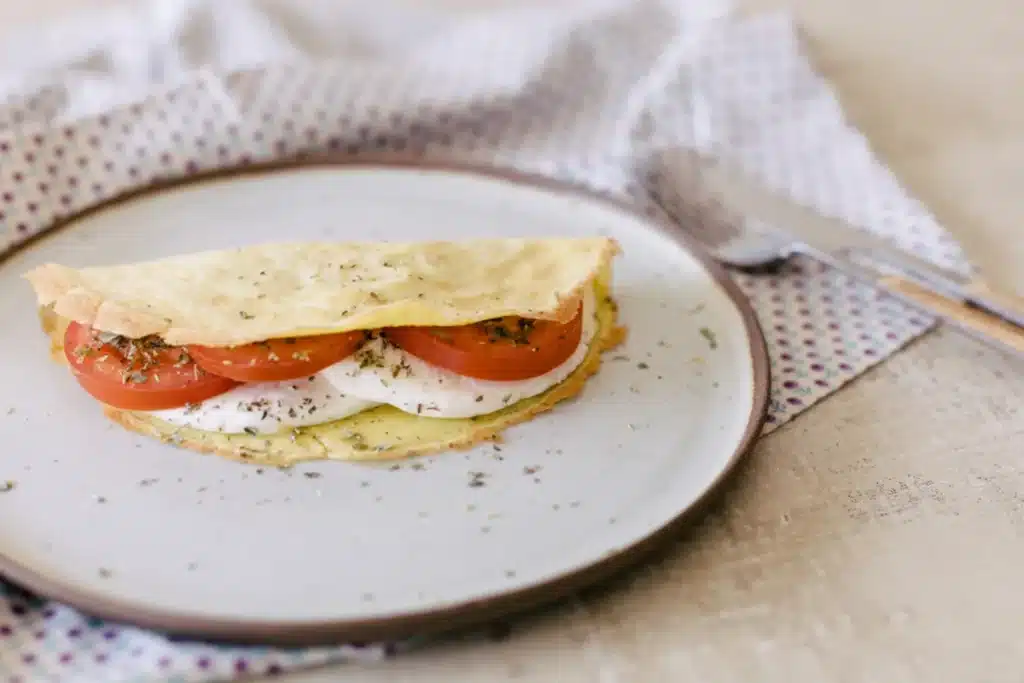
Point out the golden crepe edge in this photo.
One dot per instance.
(363, 437)
(66, 291)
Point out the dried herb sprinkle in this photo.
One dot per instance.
(709, 335)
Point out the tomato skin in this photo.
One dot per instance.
(168, 378)
(277, 360)
(505, 350)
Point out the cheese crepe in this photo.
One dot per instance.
(399, 285)
(269, 291)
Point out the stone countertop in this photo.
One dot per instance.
(880, 535)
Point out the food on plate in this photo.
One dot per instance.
(279, 353)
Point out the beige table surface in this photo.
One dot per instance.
(880, 536)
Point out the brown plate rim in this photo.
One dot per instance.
(450, 617)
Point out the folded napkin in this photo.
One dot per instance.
(610, 95)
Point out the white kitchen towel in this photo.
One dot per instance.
(609, 95)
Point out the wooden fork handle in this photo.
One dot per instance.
(980, 324)
(1006, 303)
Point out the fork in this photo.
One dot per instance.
(970, 305)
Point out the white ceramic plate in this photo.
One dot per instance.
(127, 528)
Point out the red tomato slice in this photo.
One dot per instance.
(138, 375)
(505, 349)
(277, 360)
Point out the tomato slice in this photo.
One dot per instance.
(277, 360)
(504, 349)
(138, 375)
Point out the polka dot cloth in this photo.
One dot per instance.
(615, 107)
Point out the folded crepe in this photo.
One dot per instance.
(445, 343)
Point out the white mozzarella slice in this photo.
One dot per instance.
(267, 407)
(415, 386)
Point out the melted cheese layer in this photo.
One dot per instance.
(268, 407)
(345, 389)
(424, 389)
